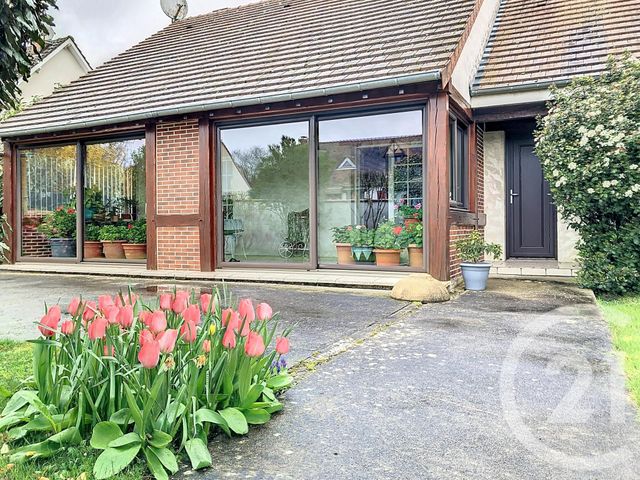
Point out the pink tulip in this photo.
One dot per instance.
(189, 332)
(282, 345)
(246, 311)
(149, 354)
(117, 301)
(145, 317)
(111, 314)
(230, 318)
(165, 301)
(264, 311)
(125, 316)
(89, 311)
(68, 327)
(206, 346)
(255, 345)
(167, 340)
(131, 299)
(97, 329)
(246, 328)
(158, 322)
(55, 313)
(48, 325)
(192, 314)
(105, 350)
(104, 302)
(229, 338)
(205, 302)
(180, 303)
(74, 304)
(146, 336)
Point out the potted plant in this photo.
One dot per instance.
(59, 227)
(92, 245)
(112, 238)
(92, 202)
(389, 241)
(414, 239)
(411, 214)
(342, 239)
(136, 246)
(362, 243)
(472, 250)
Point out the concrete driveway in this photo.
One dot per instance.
(516, 382)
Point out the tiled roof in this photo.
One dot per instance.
(538, 42)
(274, 47)
(49, 47)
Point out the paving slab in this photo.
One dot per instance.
(323, 317)
(518, 382)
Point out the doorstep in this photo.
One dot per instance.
(321, 278)
(533, 268)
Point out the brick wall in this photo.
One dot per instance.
(177, 193)
(34, 244)
(179, 248)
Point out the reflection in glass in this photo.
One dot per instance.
(370, 172)
(114, 201)
(265, 193)
(48, 203)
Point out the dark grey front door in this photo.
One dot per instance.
(531, 215)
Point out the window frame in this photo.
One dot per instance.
(459, 164)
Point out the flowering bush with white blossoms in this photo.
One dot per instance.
(589, 145)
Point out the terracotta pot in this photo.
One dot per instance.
(135, 251)
(92, 249)
(410, 221)
(345, 255)
(113, 249)
(387, 258)
(416, 257)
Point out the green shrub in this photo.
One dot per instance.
(589, 145)
(342, 234)
(473, 248)
(389, 236)
(61, 223)
(361, 236)
(113, 233)
(92, 233)
(137, 232)
(413, 234)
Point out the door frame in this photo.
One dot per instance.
(512, 139)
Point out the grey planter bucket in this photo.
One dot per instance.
(63, 247)
(475, 275)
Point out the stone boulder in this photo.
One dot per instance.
(420, 287)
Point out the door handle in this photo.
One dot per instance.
(551, 202)
(511, 195)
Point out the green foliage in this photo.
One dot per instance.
(589, 145)
(113, 233)
(389, 236)
(342, 234)
(93, 199)
(22, 23)
(413, 234)
(360, 236)
(92, 232)
(61, 223)
(409, 211)
(137, 232)
(90, 387)
(473, 248)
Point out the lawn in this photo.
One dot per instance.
(77, 463)
(623, 316)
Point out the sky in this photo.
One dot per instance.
(102, 29)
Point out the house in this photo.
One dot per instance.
(244, 136)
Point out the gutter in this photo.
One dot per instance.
(187, 108)
(518, 88)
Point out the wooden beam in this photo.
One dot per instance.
(459, 217)
(509, 112)
(205, 205)
(438, 185)
(9, 192)
(472, 161)
(213, 202)
(152, 226)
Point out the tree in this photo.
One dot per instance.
(22, 23)
(589, 145)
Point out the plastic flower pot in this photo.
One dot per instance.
(387, 258)
(113, 249)
(416, 256)
(92, 249)
(475, 275)
(135, 251)
(63, 247)
(362, 254)
(345, 255)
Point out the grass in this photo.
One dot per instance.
(76, 463)
(623, 316)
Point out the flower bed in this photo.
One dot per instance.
(141, 381)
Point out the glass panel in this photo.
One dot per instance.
(114, 201)
(370, 173)
(48, 203)
(265, 193)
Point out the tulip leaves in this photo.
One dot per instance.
(103, 434)
(198, 453)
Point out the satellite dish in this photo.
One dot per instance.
(174, 9)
